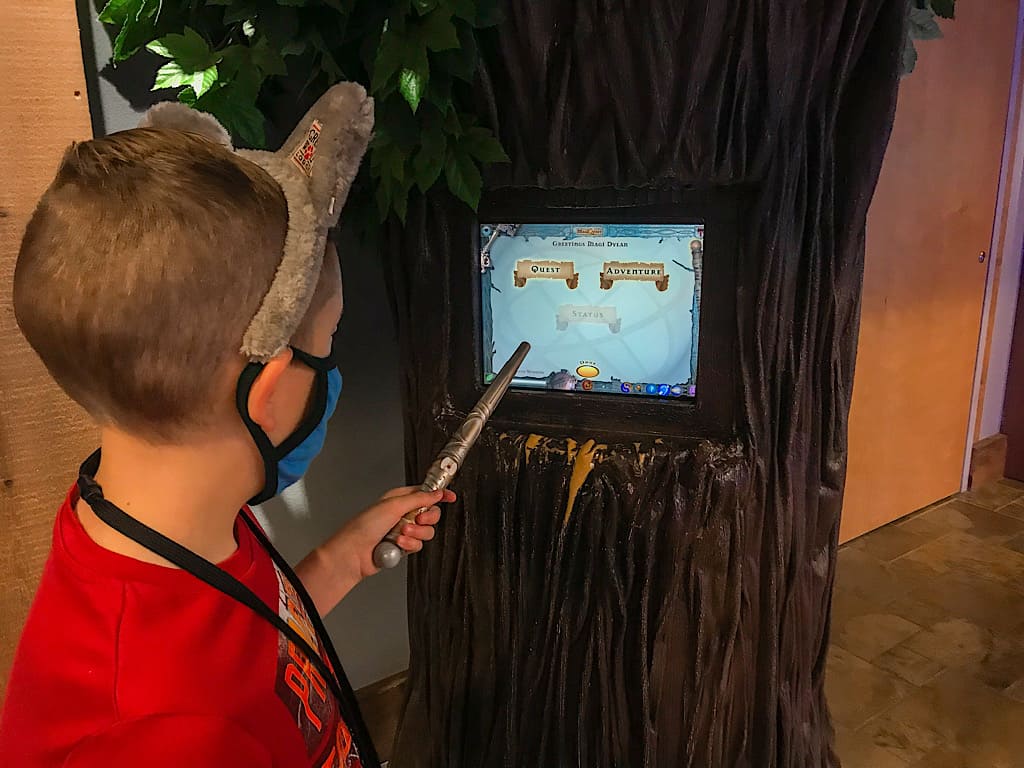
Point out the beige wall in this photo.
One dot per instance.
(43, 435)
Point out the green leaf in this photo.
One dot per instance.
(294, 48)
(388, 60)
(267, 59)
(479, 13)
(400, 202)
(203, 81)
(247, 123)
(220, 2)
(119, 11)
(452, 124)
(384, 192)
(236, 112)
(488, 14)
(438, 32)
(463, 178)
(944, 8)
(139, 28)
(187, 96)
(292, 3)
(280, 24)
(410, 85)
(482, 144)
(923, 25)
(423, 7)
(461, 62)
(171, 75)
(237, 12)
(189, 50)
(429, 161)
(440, 91)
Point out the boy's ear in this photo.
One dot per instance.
(264, 388)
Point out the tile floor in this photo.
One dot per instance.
(926, 667)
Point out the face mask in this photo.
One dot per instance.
(286, 463)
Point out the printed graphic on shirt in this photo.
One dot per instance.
(305, 692)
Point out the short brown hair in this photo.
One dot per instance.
(140, 270)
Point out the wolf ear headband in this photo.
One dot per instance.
(315, 168)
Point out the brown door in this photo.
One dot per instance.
(1013, 406)
(931, 217)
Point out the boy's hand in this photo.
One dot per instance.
(374, 523)
(333, 568)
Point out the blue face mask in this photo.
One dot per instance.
(286, 463)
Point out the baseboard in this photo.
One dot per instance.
(988, 461)
(381, 704)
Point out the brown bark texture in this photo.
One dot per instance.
(663, 602)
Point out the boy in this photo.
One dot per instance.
(179, 292)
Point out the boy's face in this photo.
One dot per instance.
(294, 389)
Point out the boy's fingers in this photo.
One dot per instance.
(405, 490)
(431, 517)
(398, 506)
(421, 532)
(409, 544)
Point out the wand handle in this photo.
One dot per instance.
(387, 554)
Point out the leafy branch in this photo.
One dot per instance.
(922, 24)
(232, 58)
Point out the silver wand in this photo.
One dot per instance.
(388, 554)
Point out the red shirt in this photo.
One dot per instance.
(124, 663)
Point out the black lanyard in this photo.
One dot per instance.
(224, 582)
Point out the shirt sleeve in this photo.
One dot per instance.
(171, 741)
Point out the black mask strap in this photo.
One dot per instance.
(269, 453)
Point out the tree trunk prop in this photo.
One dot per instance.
(659, 602)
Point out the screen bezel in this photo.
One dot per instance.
(711, 413)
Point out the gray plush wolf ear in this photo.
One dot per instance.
(180, 117)
(315, 168)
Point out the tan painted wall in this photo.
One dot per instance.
(43, 435)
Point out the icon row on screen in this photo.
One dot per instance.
(657, 390)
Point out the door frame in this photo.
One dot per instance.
(1002, 279)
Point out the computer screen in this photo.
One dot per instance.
(607, 308)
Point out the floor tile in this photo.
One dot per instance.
(944, 757)
(1003, 665)
(1013, 510)
(981, 522)
(952, 643)
(968, 555)
(890, 542)
(858, 751)
(1016, 691)
(950, 695)
(956, 712)
(867, 577)
(909, 665)
(1015, 544)
(872, 634)
(993, 495)
(930, 597)
(935, 521)
(857, 690)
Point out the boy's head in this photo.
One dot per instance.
(159, 262)
(140, 270)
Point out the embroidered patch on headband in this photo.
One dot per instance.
(305, 153)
